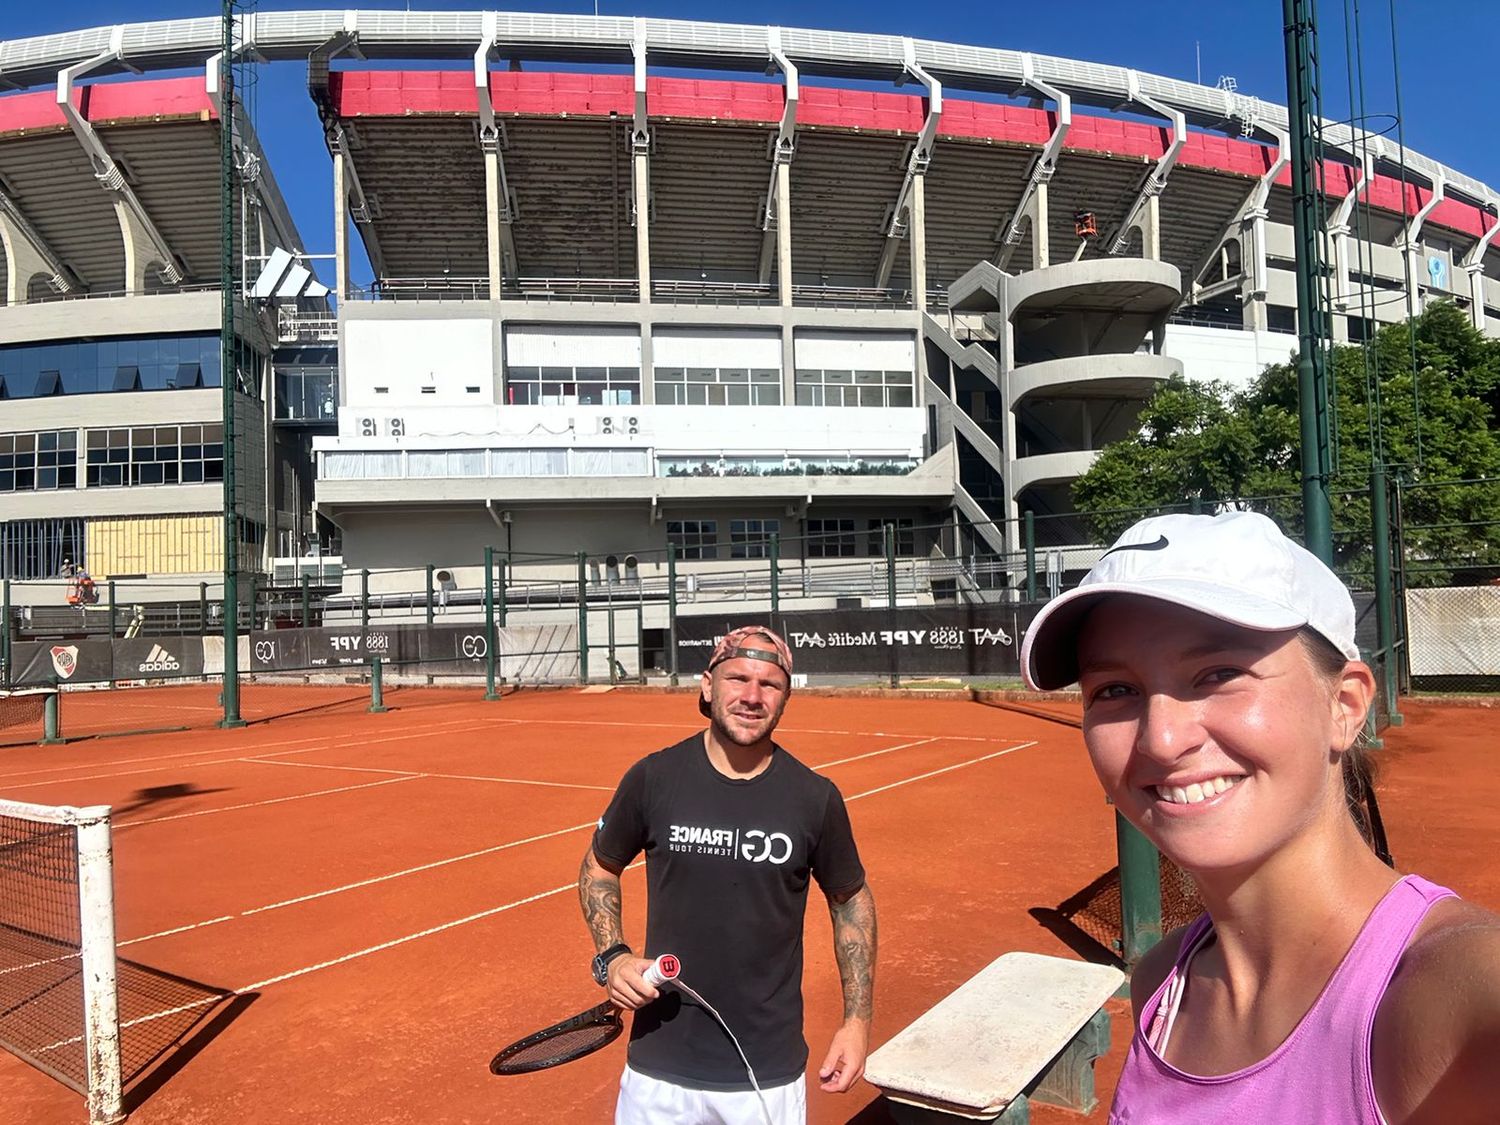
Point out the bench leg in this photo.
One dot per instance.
(1068, 1080)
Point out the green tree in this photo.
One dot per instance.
(1207, 443)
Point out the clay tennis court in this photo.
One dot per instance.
(333, 916)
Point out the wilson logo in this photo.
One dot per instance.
(160, 660)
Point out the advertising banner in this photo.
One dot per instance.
(36, 663)
(155, 658)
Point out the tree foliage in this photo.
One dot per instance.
(1212, 446)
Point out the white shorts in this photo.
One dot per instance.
(650, 1101)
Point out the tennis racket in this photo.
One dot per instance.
(579, 1035)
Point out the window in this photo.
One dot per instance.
(573, 386)
(718, 386)
(39, 462)
(38, 548)
(694, 539)
(906, 536)
(125, 363)
(830, 539)
(192, 454)
(854, 388)
(751, 539)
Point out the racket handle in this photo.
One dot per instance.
(664, 968)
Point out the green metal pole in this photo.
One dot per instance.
(890, 599)
(254, 598)
(1308, 224)
(1195, 504)
(613, 678)
(429, 593)
(228, 372)
(1385, 597)
(503, 577)
(489, 625)
(583, 619)
(672, 612)
(203, 608)
(52, 718)
(111, 609)
(1140, 891)
(364, 597)
(640, 640)
(306, 603)
(5, 637)
(377, 690)
(775, 549)
(1029, 533)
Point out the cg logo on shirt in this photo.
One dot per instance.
(762, 848)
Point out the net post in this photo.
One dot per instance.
(429, 593)
(775, 550)
(306, 602)
(96, 917)
(672, 612)
(377, 687)
(489, 625)
(1140, 891)
(890, 599)
(52, 718)
(583, 619)
(364, 598)
(1028, 532)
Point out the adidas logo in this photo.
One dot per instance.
(160, 660)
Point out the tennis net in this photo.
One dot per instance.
(28, 715)
(58, 1001)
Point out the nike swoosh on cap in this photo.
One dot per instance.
(1157, 544)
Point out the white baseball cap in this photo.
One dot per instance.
(1234, 566)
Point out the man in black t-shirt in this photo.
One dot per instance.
(733, 828)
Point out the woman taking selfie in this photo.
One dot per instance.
(1223, 703)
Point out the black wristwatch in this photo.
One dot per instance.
(600, 963)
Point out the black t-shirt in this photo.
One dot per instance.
(727, 867)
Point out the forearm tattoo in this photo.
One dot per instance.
(599, 894)
(854, 947)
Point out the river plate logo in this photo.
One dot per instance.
(65, 660)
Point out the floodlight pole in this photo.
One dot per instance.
(1308, 222)
(228, 371)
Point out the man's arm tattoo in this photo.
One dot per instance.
(854, 947)
(599, 893)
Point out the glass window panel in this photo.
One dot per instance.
(671, 374)
(869, 377)
(25, 443)
(702, 374)
(899, 378)
(899, 396)
(738, 396)
(734, 375)
(765, 375)
(838, 376)
(871, 396)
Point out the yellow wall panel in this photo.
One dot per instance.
(155, 545)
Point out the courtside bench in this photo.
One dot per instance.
(1026, 1027)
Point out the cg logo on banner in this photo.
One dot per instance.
(265, 651)
(474, 646)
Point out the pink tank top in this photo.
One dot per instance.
(1321, 1072)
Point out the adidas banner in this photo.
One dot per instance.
(158, 658)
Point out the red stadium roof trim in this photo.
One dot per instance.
(103, 103)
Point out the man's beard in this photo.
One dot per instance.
(744, 731)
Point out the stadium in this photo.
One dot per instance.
(934, 279)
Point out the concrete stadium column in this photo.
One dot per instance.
(788, 365)
(1253, 271)
(23, 262)
(916, 230)
(340, 227)
(492, 219)
(784, 232)
(1041, 231)
(139, 249)
(1151, 229)
(1476, 294)
(643, 224)
(648, 366)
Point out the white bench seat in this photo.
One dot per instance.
(982, 1049)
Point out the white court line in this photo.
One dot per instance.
(268, 761)
(779, 729)
(490, 913)
(121, 825)
(363, 883)
(874, 753)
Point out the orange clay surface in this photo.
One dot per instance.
(388, 899)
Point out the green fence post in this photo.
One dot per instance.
(1385, 624)
(429, 593)
(254, 597)
(1195, 504)
(775, 547)
(203, 608)
(489, 625)
(1140, 891)
(306, 603)
(5, 637)
(583, 618)
(672, 612)
(52, 718)
(364, 597)
(613, 678)
(377, 692)
(640, 640)
(1029, 534)
(502, 576)
(111, 609)
(890, 600)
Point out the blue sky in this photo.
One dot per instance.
(1446, 86)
